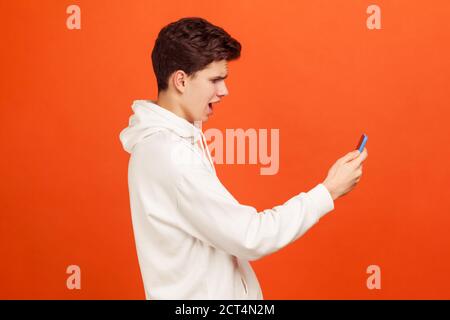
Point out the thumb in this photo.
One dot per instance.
(351, 155)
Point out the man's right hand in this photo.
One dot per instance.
(345, 173)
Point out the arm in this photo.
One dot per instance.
(210, 213)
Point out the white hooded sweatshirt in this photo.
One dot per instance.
(194, 240)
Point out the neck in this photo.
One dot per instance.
(168, 102)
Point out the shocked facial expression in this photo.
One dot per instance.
(203, 90)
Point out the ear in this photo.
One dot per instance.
(179, 79)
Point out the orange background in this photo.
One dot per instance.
(310, 68)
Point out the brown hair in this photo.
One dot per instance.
(190, 44)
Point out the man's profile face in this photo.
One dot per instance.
(206, 87)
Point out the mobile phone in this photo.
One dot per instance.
(362, 142)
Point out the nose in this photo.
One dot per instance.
(222, 90)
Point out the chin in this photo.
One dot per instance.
(205, 117)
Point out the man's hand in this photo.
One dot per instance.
(345, 173)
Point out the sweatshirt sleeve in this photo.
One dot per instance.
(210, 213)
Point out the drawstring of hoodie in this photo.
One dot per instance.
(207, 151)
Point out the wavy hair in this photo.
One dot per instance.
(190, 44)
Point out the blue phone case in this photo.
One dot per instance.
(362, 142)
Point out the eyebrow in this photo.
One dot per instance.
(220, 77)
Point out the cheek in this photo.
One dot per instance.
(205, 93)
(212, 91)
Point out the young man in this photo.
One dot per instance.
(194, 239)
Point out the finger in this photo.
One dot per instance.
(365, 153)
(349, 156)
(358, 161)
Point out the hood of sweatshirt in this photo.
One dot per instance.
(149, 118)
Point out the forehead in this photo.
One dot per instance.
(216, 68)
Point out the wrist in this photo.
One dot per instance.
(330, 190)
